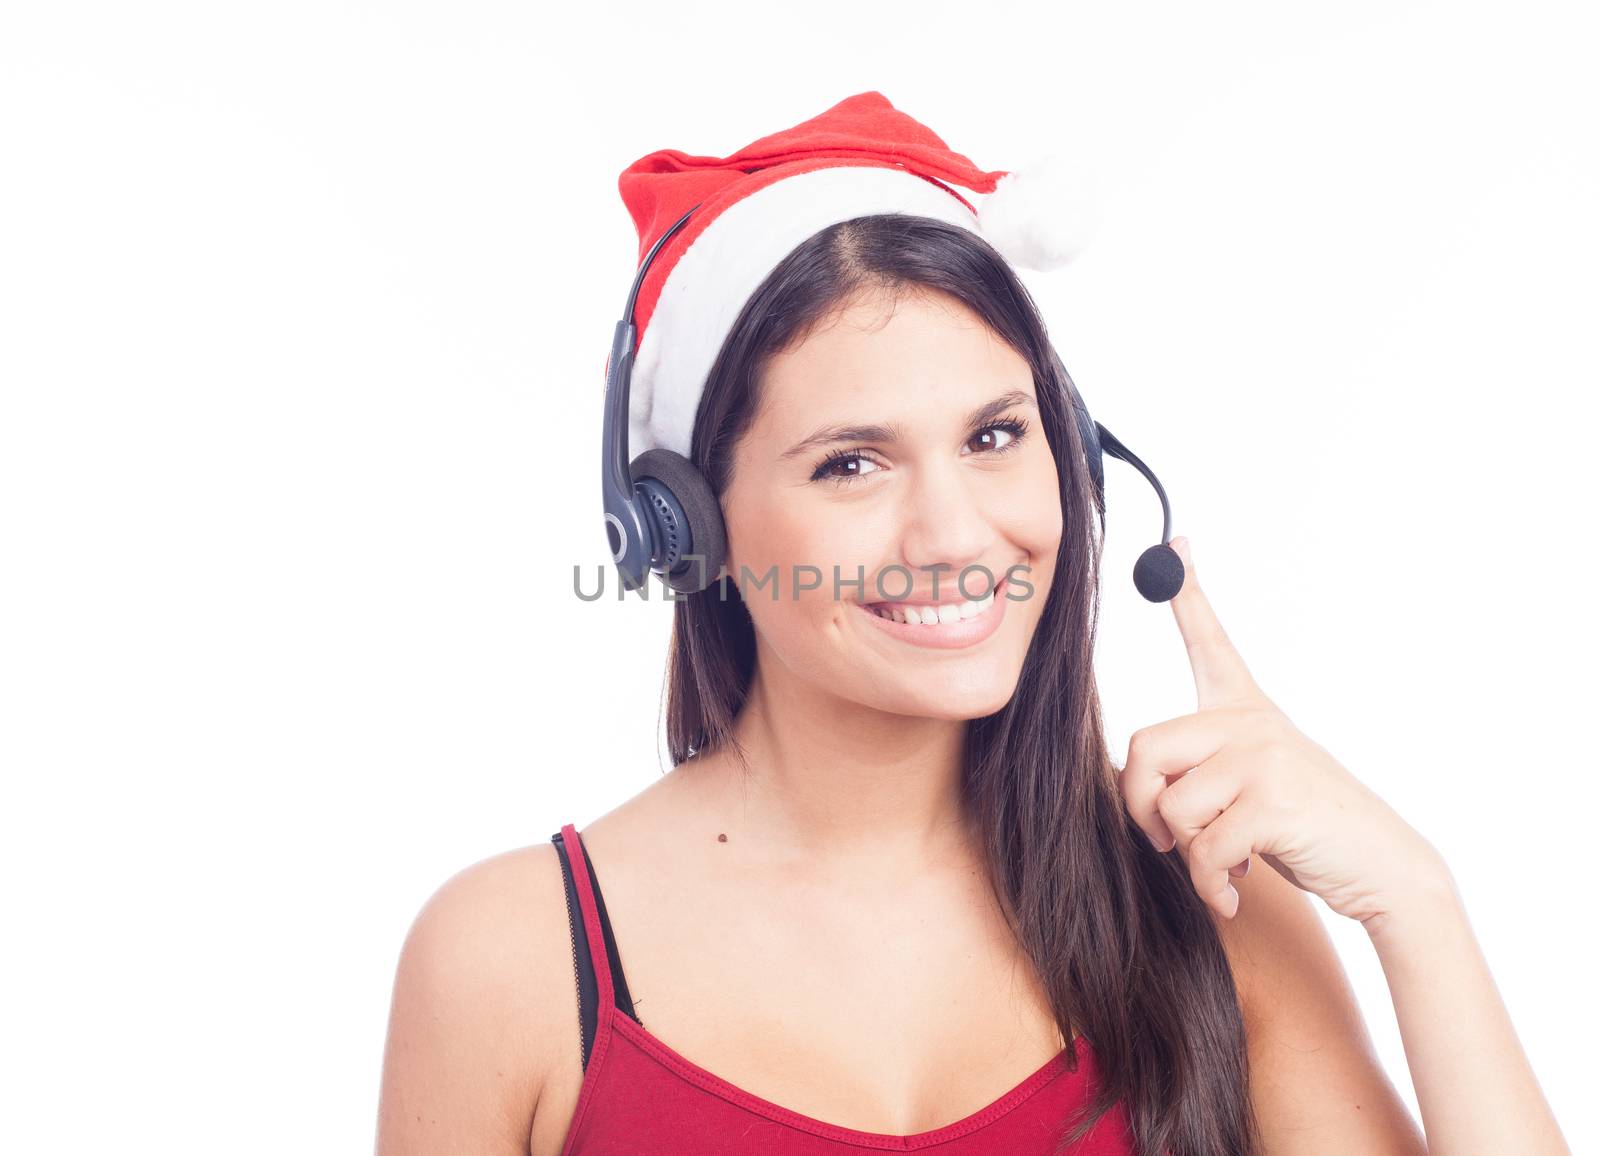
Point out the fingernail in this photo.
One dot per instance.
(1233, 901)
(1154, 842)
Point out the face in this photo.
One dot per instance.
(902, 448)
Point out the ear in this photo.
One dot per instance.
(730, 558)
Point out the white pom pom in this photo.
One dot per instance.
(1042, 215)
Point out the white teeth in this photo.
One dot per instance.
(933, 615)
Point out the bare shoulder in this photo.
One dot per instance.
(482, 987)
(1315, 1078)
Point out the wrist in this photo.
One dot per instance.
(1417, 908)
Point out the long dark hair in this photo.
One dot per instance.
(1123, 945)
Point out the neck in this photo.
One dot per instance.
(838, 782)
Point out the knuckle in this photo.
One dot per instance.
(1277, 794)
(1257, 714)
(1139, 745)
(1276, 723)
(1275, 757)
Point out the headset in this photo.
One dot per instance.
(661, 514)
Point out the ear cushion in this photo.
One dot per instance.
(707, 536)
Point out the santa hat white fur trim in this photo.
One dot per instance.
(716, 275)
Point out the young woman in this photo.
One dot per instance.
(895, 894)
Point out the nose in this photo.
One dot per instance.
(946, 527)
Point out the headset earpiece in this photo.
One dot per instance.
(684, 518)
(1088, 433)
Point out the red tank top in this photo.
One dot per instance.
(639, 1095)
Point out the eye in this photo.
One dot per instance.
(831, 468)
(843, 466)
(1011, 428)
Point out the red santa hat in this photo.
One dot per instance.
(861, 156)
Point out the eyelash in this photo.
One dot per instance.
(1017, 427)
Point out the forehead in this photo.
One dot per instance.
(881, 357)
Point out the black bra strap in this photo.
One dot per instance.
(583, 960)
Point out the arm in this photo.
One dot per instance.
(1315, 1081)
(461, 1063)
(1474, 1085)
(1316, 1084)
(1236, 783)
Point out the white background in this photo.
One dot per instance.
(303, 309)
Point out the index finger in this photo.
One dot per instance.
(1220, 675)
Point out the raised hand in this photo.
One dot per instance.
(1237, 778)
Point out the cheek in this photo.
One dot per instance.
(1035, 518)
(1033, 522)
(784, 547)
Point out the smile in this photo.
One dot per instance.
(945, 626)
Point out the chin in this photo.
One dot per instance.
(951, 701)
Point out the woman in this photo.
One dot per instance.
(894, 893)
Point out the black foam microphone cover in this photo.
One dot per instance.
(1158, 573)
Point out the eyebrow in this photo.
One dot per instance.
(831, 434)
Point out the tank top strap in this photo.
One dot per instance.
(600, 979)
